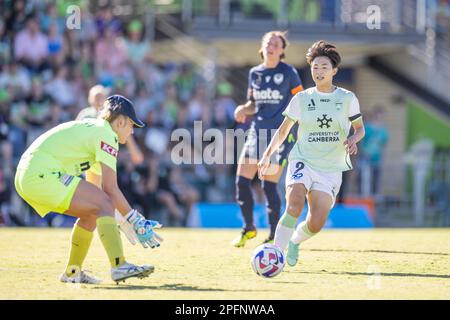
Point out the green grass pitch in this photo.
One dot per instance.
(201, 264)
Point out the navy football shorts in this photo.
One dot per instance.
(258, 140)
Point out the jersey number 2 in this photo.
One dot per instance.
(298, 167)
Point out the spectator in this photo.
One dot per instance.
(159, 191)
(86, 62)
(372, 148)
(55, 42)
(111, 57)
(186, 195)
(49, 18)
(137, 48)
(88, 33)
(5, 48)
(166, 188)
(16, 79)
(143, 102)
(224, 106)
(186, 81)
(170, 107)
(5, 196)
(60, 89)
(87, 30)
(157, 136)
(39, 104)
(198, 108)
(153, 79)
(15, 18)
(105, 20)
(31, 46)
(12, 128)
(5, 144)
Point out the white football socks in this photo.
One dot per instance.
(285, 228)
(302, 233)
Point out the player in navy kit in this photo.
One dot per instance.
(271, 85)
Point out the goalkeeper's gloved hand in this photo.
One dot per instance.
(126, 228)
(144, 229)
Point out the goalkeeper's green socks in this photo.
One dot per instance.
(110, 236)
(80, 242)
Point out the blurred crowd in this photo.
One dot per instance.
(46, 73)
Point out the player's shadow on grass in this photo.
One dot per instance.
(175, 287)
(382, 274)
(380, 251)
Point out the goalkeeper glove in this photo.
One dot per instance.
(126, 228)
(144, 229)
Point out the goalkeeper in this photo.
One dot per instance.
(47, 177)
(96, 99)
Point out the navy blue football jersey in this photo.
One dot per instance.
(271, 89)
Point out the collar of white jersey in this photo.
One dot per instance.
(325, 93)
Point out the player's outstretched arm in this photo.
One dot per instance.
(279, 137)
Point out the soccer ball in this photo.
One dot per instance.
(267, 260)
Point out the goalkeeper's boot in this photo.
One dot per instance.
(128, 270)
(243, 237)
(79, 277)
(292, 253)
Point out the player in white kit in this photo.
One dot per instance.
(322, 152)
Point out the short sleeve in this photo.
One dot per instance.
(106, 149)
(293, 109)
(354, 112)
(295, 83)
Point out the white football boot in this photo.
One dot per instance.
(79, 277)
(128, 270)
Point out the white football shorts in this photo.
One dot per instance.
(300, 172)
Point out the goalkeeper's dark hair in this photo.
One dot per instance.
(322, 48)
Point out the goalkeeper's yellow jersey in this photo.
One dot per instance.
(74, 147)
(48, 172)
